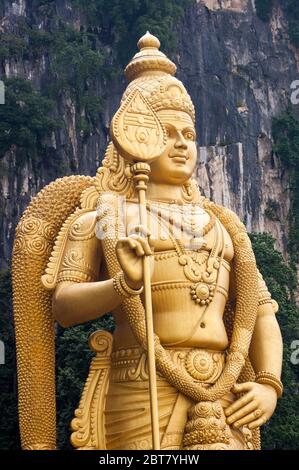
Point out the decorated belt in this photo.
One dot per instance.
(130, 364)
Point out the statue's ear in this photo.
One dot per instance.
(136, 130)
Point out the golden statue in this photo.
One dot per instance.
(195, 359)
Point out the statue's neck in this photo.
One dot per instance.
(167, 192)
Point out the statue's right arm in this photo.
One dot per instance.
(80, 295)
(83, 292)
(78, 303)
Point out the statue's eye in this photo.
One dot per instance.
(167, 132)
(189, 135)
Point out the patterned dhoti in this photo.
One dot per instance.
(183, 423)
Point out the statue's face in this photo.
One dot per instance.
(177, 162)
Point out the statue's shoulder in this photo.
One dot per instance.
(83, 226)
(212, 205)
(225, 215)
(77, 232)
(80, 225)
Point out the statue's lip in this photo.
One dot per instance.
(179, 158)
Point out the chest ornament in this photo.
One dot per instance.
(200, 266)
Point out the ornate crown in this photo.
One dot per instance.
(151, 72)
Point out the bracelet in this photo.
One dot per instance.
(122, 288)
(268, 378)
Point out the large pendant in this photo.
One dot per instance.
(202, 293)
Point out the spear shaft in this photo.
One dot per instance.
(141, 172)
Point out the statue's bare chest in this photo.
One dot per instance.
(190, 226)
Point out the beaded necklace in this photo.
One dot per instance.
(204, 283)
(187, 216)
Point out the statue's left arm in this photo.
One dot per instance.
(258, 403)
(266, 344)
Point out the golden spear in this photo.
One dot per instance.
(140, 137)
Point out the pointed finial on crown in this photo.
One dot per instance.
(148, 40)
(149, 59)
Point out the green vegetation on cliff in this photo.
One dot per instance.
(9, 428)
(25, 123)
(264, 9)
(286, 146)
(77, 63)
(122, 27)
(291, 11)
(282, 430)
(291, 8)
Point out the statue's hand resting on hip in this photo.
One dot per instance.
(254, 408)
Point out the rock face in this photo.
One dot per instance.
(233, 5)
(238, 71)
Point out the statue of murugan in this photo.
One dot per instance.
(82, 249)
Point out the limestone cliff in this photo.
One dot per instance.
(238, 71)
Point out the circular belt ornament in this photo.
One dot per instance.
(200, 365)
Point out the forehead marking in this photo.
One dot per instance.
(173, 116)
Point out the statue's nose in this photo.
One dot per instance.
(180, 141)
